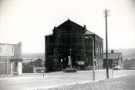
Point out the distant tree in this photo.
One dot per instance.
(38, 63)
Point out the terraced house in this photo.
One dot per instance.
(72, 41)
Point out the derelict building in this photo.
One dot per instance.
(72, 40)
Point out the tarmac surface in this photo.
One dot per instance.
(40, 81)
(121, 83)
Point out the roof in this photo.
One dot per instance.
(16, 59)
(7, 44)
(10, 43)
(68, 23)
(88, 32)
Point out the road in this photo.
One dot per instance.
(55, 79)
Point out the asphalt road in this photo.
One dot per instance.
(56, 79)
(121, 83)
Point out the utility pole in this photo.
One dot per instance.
(106, 32)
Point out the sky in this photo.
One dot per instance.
(28, 21)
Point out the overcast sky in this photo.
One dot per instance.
(29, 21)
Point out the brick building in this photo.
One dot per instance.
(72, 40)
(114, 59)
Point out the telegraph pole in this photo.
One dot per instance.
(106, 32)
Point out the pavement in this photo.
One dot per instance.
(37, 81)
